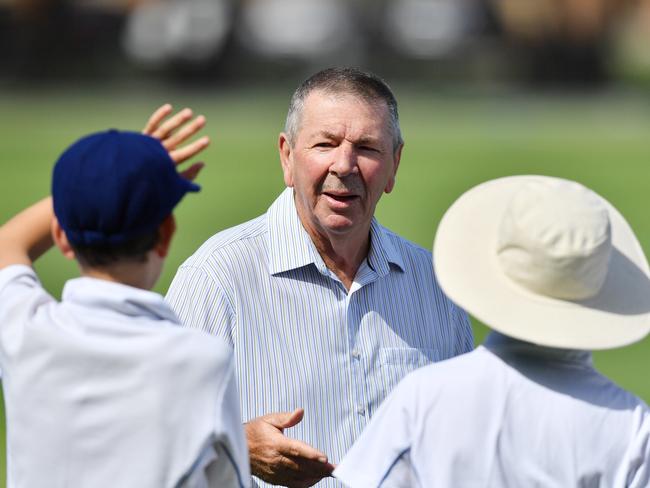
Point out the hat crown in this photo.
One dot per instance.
(113, 186)
(554, 239)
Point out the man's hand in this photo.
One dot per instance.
(280, 460)
(176, 130)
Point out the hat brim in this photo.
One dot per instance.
(189, 186)
(467, 268)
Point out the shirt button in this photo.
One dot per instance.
(356, 354)
(361, 410)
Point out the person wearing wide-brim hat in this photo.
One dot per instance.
(556, 272)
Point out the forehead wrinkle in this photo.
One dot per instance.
(357, 141)
(363, 140)
(325, 121)
(327, 134)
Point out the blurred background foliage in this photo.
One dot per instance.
(537, 42)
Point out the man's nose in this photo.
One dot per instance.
(345, 161)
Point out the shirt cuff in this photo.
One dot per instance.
(15, 271)
(351, 477)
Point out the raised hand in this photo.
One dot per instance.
(174, 131)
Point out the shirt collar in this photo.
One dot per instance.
(382, 251)
(504, 346)
(290, 246)
(116, 297)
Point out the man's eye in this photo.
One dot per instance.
(369, 148)
(323, 144)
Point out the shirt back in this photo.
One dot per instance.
(509, 415)
(106, 389)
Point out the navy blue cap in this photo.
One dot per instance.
(111, 187)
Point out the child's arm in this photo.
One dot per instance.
(26, 237)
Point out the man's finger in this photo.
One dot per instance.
(172, 124)
(155, 119)
(305, 469)
(302, 472)
(186, 152)
(297, 449)
(284, 420)
(306, 483)
(193, 171)
(185, 133)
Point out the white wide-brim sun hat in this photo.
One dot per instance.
(547, 261)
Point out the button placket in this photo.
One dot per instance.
(356, 363)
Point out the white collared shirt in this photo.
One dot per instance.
(105, 389)
(509, 414)
(301, 339)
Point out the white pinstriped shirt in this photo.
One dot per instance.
(300, 338)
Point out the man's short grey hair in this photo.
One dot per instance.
(343, 81)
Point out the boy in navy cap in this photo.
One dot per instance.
(104, 388)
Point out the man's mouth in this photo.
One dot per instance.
(341, 197)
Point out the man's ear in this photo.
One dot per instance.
(166, 232)
(397, 156)
(286, 159)
(61, 240)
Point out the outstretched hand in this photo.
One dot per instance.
(280, 460)
(172, 132)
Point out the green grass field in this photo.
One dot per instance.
(453, 141)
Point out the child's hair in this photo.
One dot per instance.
(99, 255)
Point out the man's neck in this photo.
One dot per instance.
(343, 256)
(341, 253)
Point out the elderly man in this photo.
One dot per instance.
(326, 309)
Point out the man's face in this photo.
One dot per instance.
(340, 163)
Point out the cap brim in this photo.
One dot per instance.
(190, 186)
(468, 271)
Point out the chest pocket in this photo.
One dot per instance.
(396, 362)
(406, 356)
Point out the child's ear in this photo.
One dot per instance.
(165, 232)
(61, 240)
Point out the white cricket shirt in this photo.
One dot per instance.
(105, 389)
(509, 414)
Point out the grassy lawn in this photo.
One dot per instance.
(453, 142)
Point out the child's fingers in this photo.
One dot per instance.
(155, 119)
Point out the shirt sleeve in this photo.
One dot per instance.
(20, 295)
(215, 467)
(16, 279)
(200, 302)
(224, 471)
(381, 455)
(400, 474)
(233, 466)
(463, 330)
(637, 468)
(223, 460)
